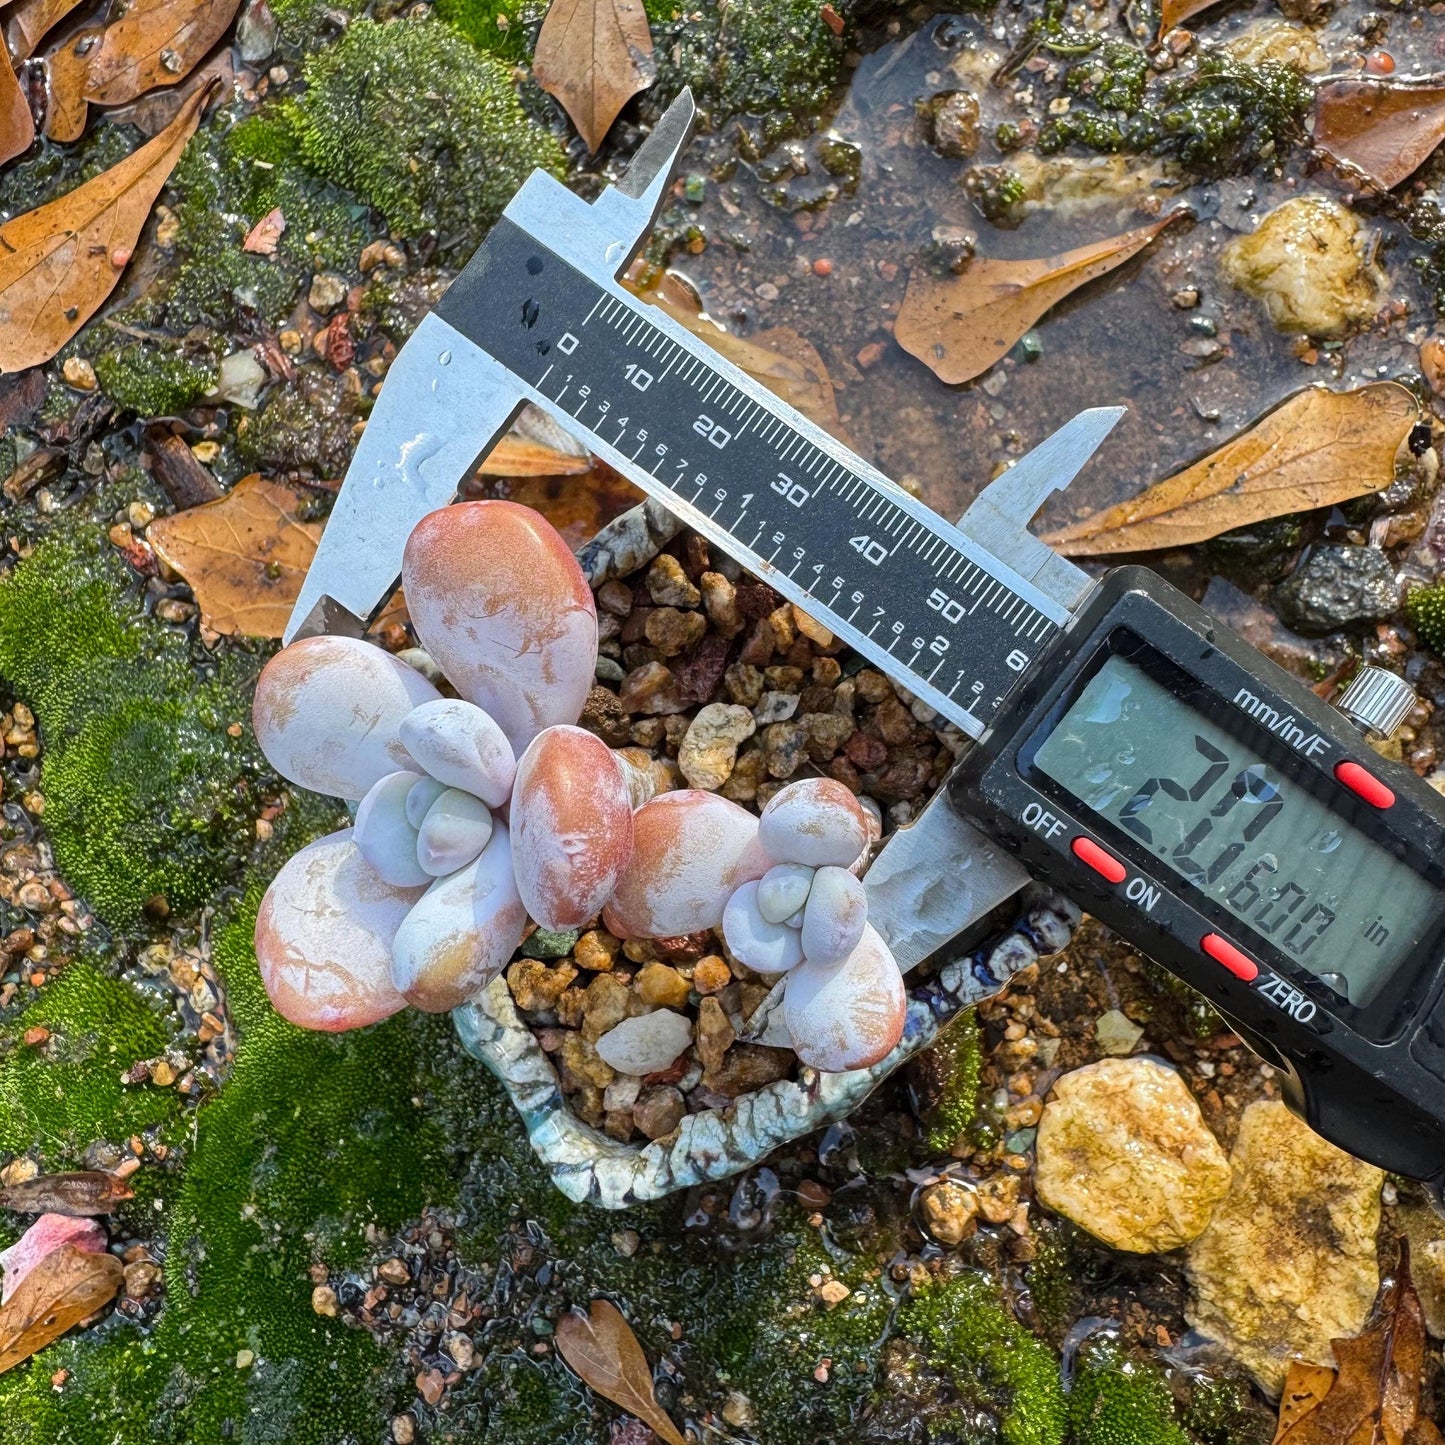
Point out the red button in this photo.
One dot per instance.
(1101, 862)
(1365, 785)
(1222, 951)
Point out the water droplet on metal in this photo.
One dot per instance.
(445, 359)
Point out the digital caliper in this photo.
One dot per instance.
(1132, 751)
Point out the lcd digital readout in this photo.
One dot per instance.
(1239, 829)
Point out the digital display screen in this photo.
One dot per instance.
(1253, 840)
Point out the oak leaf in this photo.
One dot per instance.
(59, 262)
(66, 1287)
(155, 42)
(1305, 1385)
(602, 1349)
(17, 125)
(66, 106)
(30, 21)
(244, 555)
(959, 326)
(1375, 1396)
(1384, 129)
(1318, 448)
(79, 1193)
(594, 56)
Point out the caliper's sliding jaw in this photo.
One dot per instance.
(446, 402)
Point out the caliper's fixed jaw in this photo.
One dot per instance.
(446, 401)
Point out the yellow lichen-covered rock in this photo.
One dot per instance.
(1288, 1261)
(1124, 1152)
(1281, 42)
(1308, 262)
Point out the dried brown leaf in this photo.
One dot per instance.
(60, 261)
(156, 109)
(1375, 1397)
(1305, 1385)
(66, 1287)
(17, 125)
(601, 1347)
(959, 326)
(244, 556)
(1384, 129)
(66, 107)
(155, 43)
(516, 457)
(1318, 448)
(83, 1192)
(263, 237)
(594, 56)
(1176, 12)
(30, 21)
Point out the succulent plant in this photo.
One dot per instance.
(475, 812)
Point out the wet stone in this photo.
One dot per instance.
(659, 1110)
(955, 124)
(668, 585)
(1336, 587)
(948, 1211)
(328, 291)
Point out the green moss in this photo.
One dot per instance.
(53, 170)
(1225, 116)
(1226, 1411)
(68, 1094)
(147, 794)
(958, 1055)
(992, 1360)
(313, 1138)
(412, 118)
(504, 28)
(777, 59)
(153, 380)
(1425, 607)
(997, 191)
(1118, 1401)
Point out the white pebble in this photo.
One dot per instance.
(384, 836)
(763, 946)
(456, 828)
(646, 1044)
(834, 916)
(783, 890)
(817, 821)
(461, 746)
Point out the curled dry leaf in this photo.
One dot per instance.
(1384, 129)
(65, 106)
(1318, 448)
(60, 261)
(30, 21)
(262, 238)
(601, 1347)
(594, 56)
(83, 1192)
(155, 42)
(66, 1287)
(17, 125)
(959, 326)
(1375, 1397)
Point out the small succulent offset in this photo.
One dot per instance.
(478, 811)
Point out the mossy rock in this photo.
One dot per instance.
(1120, 1401)
(416, 121)
(1425, 607)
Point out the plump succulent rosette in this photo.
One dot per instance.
(783, 891)
(475, 812)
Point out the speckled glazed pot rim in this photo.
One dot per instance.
(716, 1143)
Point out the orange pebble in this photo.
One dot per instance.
(822, 267)
(1380, 62)
(120, 256)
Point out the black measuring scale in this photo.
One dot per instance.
(1132, 751)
